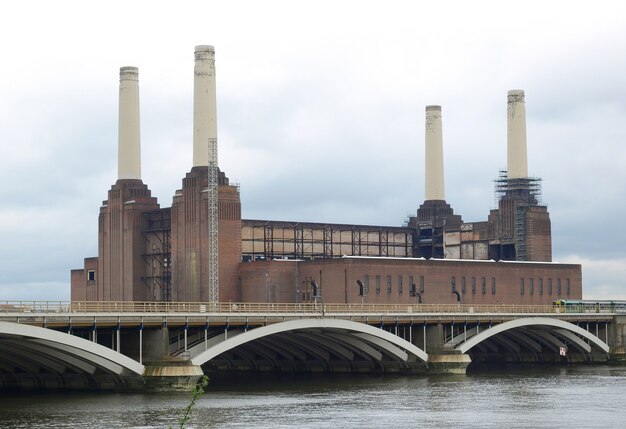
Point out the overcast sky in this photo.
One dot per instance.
(320, 116)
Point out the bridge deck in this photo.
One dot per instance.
(147, 314)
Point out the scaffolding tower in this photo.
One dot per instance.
(526, 190)
(212, 221)
(522, 193)
(156, 227)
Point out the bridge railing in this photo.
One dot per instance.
(65, 307)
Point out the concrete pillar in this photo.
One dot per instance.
(434, 155)
(517, 162)
(449, 363)
(129, 150)
(156, 344)
(617, 339)
(204, 106)
(443, 359)
(164, 372)
(434, 338)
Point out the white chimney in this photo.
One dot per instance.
(129, 149)
(204, 107)
(434, 154)
(517, 162)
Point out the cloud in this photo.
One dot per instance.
(602, 278)
(320, 114)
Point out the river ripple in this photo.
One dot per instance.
(572, 397)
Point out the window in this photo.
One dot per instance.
(521, 286)
(549, 286)
(91, 275)
(463, 285)
(567, 289)
(453, 284)
(493, 285)
(484, 286)
(377, 285)
(388, 284)
(366, 284)
(558, 287)
(399, 284)
(422, 286)
(531, 286)
(540, 286)
(474, 285)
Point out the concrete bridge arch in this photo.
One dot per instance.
(533, 334)
(35, 357)
(329, 345)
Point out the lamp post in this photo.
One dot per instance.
(413, 292)
(361, 290)
(314, 289)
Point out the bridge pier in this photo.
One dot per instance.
(442, 359)
(618, 340)
(162, 371)
(448, 363)
(171, 374)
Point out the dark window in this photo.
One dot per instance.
(540, 286)
(532, 286)
(453, 284)
(399, 284)
(549, 286)
(484, 286)
(567, 289)
(474, 285)
(422, 286)
(463, 284)
(388, 284)
(558, 287)
(521, 286)
(493, 285)
(91, 276)
(377, 285)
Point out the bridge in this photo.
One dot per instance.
(164, 345)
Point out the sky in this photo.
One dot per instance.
(320, 116)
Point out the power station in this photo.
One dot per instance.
(200, 250)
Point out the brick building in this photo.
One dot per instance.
(149, 253)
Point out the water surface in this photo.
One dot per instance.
(573, 397)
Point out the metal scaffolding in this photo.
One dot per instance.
(156, 229)
(526, 190)
(266, 240)
(212, 220)
(521, 193)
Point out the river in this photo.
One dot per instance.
(531, 397)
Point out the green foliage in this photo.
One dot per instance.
(197, 391)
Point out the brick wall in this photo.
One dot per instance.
(390, 281)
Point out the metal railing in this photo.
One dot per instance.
(128, 307)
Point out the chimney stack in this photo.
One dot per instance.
(129, 149)
(434, 155)
(517, 162)
(204, 107)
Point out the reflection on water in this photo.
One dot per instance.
(573, 397)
